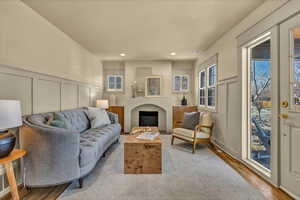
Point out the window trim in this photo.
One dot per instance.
(180, 89)
(115, 77)
(204, 67)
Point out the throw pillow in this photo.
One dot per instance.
(206, 120)
(58, 124)
(60, 121)
(50, 119)
(190, 120)
(98, 117)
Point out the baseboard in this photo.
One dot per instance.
(289, 193)
(222, 147)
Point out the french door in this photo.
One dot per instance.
(258, 101)
(290, 105)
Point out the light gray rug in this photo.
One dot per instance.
(186, 176)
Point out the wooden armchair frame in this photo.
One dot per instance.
(195, 139)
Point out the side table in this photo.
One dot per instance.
(7, 162)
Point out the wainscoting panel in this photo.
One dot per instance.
(40, 93)
(17, 87)
(233, 140)
(48, 96)
(220, 117)
(227, 133)
(69, 96)
(84, 96)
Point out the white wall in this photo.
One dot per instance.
(166, 69)
(228, 117)
(30, 42)
(226, 46)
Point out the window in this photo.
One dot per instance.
(115, 83)
(211, 86)
(202, 85)
(181, 83)
(207, 86)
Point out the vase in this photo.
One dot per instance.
(184, 101)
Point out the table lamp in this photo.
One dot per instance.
(10, 117)
(102, 104)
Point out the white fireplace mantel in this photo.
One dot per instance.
(163, 102)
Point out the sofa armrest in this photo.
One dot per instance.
(53, 155)
(114, 118)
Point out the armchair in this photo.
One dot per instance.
(201, 133)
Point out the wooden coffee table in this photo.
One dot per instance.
(142, 156)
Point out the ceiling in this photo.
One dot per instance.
(144, 29)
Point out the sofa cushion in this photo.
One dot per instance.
(94, 142)
(189, 133)
(77, 119)
(98, 117)
(190, 120)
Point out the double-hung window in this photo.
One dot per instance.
(115, 83)
(211, 86)
(208, 86)
(181, 83)
(202, 87)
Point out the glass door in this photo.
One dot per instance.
(258, 84)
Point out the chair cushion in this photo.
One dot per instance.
(190, 120)
(189, 133)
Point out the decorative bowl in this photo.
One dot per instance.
(7, 144)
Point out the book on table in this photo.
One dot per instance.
(147, 136)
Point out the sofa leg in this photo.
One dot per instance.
(80, 182)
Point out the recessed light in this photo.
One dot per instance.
(173, 54)
(122, 54)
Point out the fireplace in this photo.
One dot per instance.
(148, 118)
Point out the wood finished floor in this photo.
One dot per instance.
(269, 191)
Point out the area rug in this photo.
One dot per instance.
(186, 176)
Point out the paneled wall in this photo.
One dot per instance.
(227, 133)
(40, 93)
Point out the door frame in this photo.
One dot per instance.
(273, 176)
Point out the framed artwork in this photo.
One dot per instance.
(153, 86)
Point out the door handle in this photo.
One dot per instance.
(284, 116)
(284, 104)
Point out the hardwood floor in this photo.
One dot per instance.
(270, 192)
(49, 193)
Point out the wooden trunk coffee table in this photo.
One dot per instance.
(142, 156)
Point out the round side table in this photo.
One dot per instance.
(7, 162)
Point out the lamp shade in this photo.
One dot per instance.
(102, 104)
(10, 114)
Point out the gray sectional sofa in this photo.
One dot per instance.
(56, 155)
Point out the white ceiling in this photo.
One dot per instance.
(144, 29)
